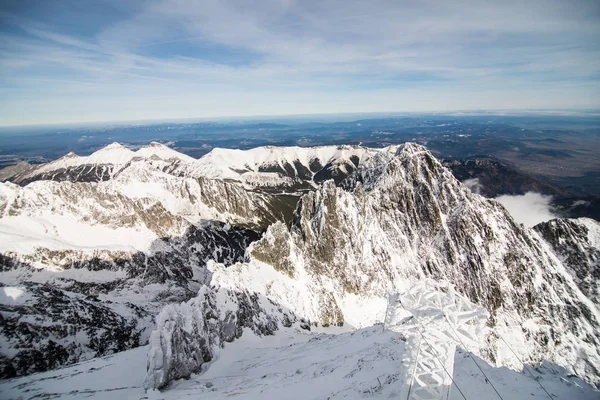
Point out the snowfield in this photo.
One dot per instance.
(233, 164)
(365, 363)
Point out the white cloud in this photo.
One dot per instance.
(529, 209)
(328, 56)
(579, 203)
(474, 185)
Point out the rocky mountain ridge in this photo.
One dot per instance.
(402, 217)
(260, 168)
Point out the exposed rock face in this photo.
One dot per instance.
(94, 303)
(577, 243)
(187, 334)
(402, 216)
(254, 209)
(9, 172)
(274, 249)
(46, 327)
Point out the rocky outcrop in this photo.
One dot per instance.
(187, 334)
(44, 327)
(94, 303)
(256, 210)
(577, 243)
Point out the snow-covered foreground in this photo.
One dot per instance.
(366, 363)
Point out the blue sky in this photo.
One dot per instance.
(109, 60)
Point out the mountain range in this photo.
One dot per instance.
(123, 248)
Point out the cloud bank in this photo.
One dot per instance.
(529, 209)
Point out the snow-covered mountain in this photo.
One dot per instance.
(402, 217)
(287, 166)
(297, 365)
(104, 242)
(261, 167)
(260, 186)
(99, 166)
(113, 237)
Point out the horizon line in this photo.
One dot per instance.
(565, 112)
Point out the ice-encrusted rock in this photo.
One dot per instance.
(187, 334)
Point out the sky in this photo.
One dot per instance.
(65, 61)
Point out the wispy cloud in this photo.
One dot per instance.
(474, 185)
(214, 57)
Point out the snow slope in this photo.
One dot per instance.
(366, 363)
(232, 164)
(115, 155)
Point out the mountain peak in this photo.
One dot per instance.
(156, 145)
(395, 164)
(114, 153)
(412, 147)
(158, 150)
(113, 145)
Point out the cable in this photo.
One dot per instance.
(525, 366)
(472, 358)
(412, 378)
(441, 363)
(434, 353)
